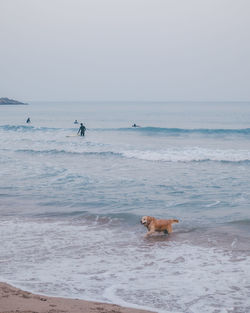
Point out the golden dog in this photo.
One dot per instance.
(155, 225)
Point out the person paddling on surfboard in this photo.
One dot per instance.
(82, 130)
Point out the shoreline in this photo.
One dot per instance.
(13, 300)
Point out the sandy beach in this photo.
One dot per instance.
(15, 300)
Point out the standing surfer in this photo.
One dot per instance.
(82, 130)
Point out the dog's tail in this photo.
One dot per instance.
(174, 221)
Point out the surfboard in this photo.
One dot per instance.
(72, 135)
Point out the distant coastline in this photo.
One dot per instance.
(7, 101)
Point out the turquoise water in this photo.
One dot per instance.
(71, 206)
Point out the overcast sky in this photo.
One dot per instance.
(188, 50)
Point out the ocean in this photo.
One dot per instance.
(70, 206)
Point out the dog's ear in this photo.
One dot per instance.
(149, 219)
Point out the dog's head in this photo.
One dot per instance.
(146, 220)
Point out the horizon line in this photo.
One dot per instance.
(145, 101)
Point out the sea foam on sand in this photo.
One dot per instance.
(17, 300)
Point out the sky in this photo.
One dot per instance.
(127, 50)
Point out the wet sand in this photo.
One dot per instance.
(13, 300)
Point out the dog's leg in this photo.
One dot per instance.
(149, 233)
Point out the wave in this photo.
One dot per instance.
(144, 130)
(169, 155)
(89, 218)
(60, 214)
(55, 151)
(24, 128)
(179, 131)
(191, 155)
(244, 222)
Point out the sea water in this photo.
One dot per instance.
(70, 206)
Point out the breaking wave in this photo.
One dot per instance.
(144, 130)
(24, 128)
(168, 155)
(179, 131)
(55, 151)
(191, 155)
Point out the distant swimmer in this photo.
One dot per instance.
(134, 125)
(28, 120)
(82, 130)
(75, 122)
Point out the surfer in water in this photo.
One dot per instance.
(82, 130)
(75, 122)
(134, 125)
(28, 120)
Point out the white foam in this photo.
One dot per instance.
(114, 265)
(190, 154)
(48, 141)
(213, 204)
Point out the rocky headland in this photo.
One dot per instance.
(7, 101)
